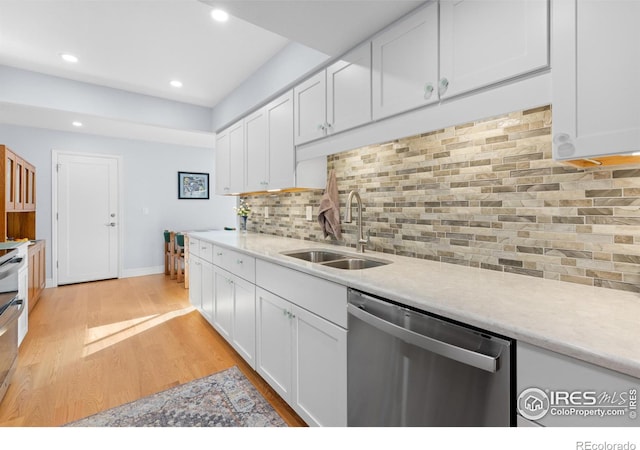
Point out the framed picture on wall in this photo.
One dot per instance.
(193, 185)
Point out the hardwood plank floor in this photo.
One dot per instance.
(94, 346)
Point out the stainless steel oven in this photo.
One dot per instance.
(409, 368)
(11, 306)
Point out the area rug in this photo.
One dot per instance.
(224, 399)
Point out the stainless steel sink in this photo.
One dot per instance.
(316, 256)
(355, 263)
(336, 260)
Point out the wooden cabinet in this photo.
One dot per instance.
(37, 272)
(18, 218)
(304, 358)
(270, 153)
(336, 99)
(486, 42)
(596, 94)
(557, 390)
(405, 64)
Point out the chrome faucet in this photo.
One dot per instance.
(361, 242)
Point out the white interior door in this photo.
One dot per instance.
(87, 218)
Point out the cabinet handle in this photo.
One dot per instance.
(203, 248)
(564, 144)
(321, 127)
(219, 253)
(442, 86)
(239, 261)
(328, 125)
(428, 91)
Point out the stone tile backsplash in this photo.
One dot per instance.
(485, 194)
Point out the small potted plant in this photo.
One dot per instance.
(243, 210)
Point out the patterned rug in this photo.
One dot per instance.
(224, 399)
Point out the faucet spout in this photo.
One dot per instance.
(348, 219)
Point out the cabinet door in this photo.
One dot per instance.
(310, 109)
(255, 141)
(485, 42)
(244, 320)
(596, 94)
(10, 181)
(29, 187)
(274, 341)
(405, 64)
(236, 158)
(282, 152)
(320, 368)
(349, 90)
(223, 307)
(208, 291)
(195, 282)
(19, 182)
(222, 163)
(42, 268)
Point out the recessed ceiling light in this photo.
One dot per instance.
(219, 15)
(75, 123)
(176, 83)
(69, 57)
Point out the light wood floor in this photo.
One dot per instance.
(94, 346)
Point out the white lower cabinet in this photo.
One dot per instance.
(555, 390)
(201, 286)
(304, 358)
(234, 313)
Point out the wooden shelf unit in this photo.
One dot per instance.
(18, 188)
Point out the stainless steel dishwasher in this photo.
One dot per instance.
(409, 368)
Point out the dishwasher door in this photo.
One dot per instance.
(408, 368)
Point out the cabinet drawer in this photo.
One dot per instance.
(194, 246)
(205, 251)
(321, 297)
(235, 262)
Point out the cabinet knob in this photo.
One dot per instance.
(564, 145)
(219, 253)
(443, 85)
(328, 125)
(428, 90)
(321, 127)
(239, 261)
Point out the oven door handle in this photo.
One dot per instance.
(10, 315)
(468, 357)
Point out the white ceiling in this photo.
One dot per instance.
(136, 45)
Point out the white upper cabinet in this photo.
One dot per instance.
(349, 90)
(281, 150)
(336, 99)
(230, 160)
(310, 108)
(405, 64)
(269, 146)
(222, 163)
(489, 41)
(236, 158)
(595, 73)
(257, 153)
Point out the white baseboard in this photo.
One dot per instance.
(142, 271)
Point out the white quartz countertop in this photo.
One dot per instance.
(597, 325)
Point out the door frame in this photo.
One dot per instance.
(55, 154)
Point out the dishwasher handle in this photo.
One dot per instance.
(468, 357)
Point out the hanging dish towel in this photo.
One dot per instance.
(329, 210)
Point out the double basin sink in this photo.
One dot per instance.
(338, 260)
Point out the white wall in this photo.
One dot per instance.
(149, 181)
(35, 89)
